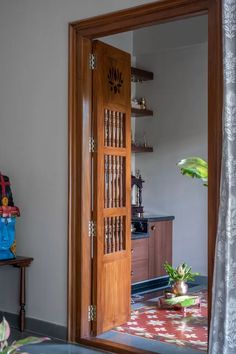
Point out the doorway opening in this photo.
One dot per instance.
(81, 35)
(169, 211)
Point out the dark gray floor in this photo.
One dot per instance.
(52, 346)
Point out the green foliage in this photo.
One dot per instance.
(13, 348)
(194, 167)
(182, 272)
(183, 301)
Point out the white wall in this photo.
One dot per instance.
(33, 142)
(178, 96)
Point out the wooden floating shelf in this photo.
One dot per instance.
(139, 149)
(136, 112)
(139, 75)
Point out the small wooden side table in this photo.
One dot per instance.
(22, 263)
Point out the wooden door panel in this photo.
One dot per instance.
(115, 306)
(111, 211)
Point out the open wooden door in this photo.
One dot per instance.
(112, 186)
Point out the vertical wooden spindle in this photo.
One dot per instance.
(117, 234)
(113, 234)
(121, 181)
(114, 129)
(106, 128)
(109, 127)
(121, 129)
(122, 233)
(105, 235)
(109, 182)
(117, 182)
(105, 181)
(118, 129)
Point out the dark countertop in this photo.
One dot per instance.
(137, 235)
(155, 218)
(146, 219)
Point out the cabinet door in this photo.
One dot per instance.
(160, 247)
(140, 252)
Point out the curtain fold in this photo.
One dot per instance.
(222, 338)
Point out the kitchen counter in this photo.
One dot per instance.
(141, 224)
(154, 218)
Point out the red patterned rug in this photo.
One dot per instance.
(170, 326)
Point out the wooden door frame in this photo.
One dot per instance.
(81, 34)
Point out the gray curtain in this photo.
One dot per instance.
(223, 325)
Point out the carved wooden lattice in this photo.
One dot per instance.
(115, 79)
(114, 181)
(114, 234)
(114, 128)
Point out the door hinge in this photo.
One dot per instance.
(92, 61)
(91, 144)
(92, 313)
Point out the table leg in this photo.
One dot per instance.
(22, 298)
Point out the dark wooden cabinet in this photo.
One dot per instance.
(160, 247)
(150, 253)
(140, 259)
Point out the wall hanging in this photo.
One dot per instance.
(8, 214)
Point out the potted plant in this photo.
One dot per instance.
(179, 276)
(5, 348)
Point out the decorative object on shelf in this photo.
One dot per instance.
(145, 140)
(143, 103)
(135, 103)
(179, 277)
(14, 347)
(140, 146)
(139, 103)
(137, 182)
(194, 167)
(8, 213)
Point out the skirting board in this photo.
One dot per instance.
(161, 283)
(39, 327)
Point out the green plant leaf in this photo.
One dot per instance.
(174, 274)
(4, 330)
(194, 167)
(11, 349)
(183, 301)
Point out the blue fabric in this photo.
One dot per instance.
(7, 237)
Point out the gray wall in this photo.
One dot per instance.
(33, 142)
(178, 96)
